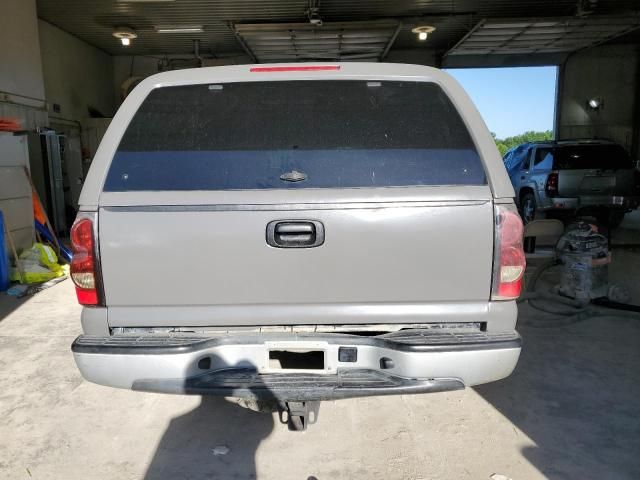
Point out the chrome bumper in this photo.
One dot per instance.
(415, 361)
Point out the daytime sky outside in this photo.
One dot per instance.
(511, 100)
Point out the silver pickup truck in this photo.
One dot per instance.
(297, 232)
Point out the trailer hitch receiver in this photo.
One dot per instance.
(298, 415)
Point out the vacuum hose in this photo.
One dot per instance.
(575, 310)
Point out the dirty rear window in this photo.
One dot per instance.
(295, 134)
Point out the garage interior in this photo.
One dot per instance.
(569, 409)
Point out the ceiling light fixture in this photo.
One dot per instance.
(125, 35)
(314, 17)
(180, 29)
(595, 103)
(313, 13)
(423, 31)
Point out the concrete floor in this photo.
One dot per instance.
(568, 412)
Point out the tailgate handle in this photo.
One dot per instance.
(295, 233)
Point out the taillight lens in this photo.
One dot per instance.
(293, 68)
(509, 261)
(83, 263)
(551, 186)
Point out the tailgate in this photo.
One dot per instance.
(594, 169)
(382, 177)
(574, 183)
(188, 266)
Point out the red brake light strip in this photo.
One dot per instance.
(304, 68)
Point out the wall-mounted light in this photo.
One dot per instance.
(595, 103)
(125, 35)
(423, 31)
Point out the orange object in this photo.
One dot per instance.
(38, 213)
(9, 124)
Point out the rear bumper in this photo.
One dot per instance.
(416, 361)
(591, 201)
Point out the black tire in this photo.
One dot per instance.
(528, 208)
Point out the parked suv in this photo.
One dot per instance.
(297, 232)
(587, 177)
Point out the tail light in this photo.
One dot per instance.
(83, 264)
(551, 187)
(508, 261)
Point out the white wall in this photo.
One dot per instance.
(21, 71)
(15, 190)
(608, 72)
(21, 79)
(76, 74)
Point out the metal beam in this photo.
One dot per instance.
(391, 41)
(463, 39)
(241, 42)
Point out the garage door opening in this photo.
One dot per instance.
(517, 104)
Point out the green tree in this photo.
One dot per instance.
(530, 136)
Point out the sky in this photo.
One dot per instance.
(511, 100)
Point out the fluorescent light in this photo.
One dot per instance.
(125, 41)
(180, 29)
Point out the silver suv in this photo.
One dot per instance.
(297, 232)
(587, 177)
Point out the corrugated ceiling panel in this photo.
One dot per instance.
(94, 21)
(567, 34)
(331, 41)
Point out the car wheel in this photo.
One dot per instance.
(528, 207)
